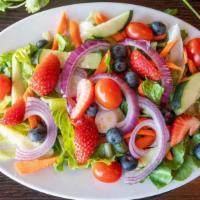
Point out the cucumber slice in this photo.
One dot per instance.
(186, 94)
(112, 26)
(90, 61)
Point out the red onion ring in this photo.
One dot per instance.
(166, 78)
(133, 110)
(35, 106)
(162, 137)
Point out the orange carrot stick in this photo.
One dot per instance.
(168, 48)
(144, 142)
(192, 67)
(160, 37)
(140, 90)
(169, 155)
(173, 66)
(100, 18)
(185, 56)
(62, 29)
(102, 68)
(75, 33)
(142, 132)
(31, 166)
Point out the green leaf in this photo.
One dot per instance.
(124, 107)
(153, 90)
(4, 5)
(5, 103)
(171, 11)
(161, 176)
(186, 169)
(6, 63)
(33, 6)
(108, 62)
(64, 43)
(184, 34)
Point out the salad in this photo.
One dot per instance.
(112, 94)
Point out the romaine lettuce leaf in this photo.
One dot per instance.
(6, 63)
(33, 6)
(64, 43)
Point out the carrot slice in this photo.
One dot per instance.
(75, 33)
(100, 18)
(160, 37)
(192, 67)
(102, 68)
(169, 155)
(31, 166)
(140, 90)
(144, 142)
(62, 28)
(185, 56)
(173, 66)
(168, 48)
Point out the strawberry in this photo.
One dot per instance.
(182, 125)
(85, 139)
(85, 96)
(141, 65)
(5, 86)
(15, 114)
(46, 75)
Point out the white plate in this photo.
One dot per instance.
(81, 184)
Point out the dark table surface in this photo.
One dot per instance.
(10, 190)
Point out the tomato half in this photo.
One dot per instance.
(139, 31)
(107, 173)
(193, 50)
(108, 93)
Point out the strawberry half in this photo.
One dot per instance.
(85, 96)
(46, 75)
(85, 139)
(141, 65)
(182, 125)
(15, 114)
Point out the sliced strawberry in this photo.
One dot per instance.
(46, 75)
(85, 96)
(182, 125)
(5, 86)
(85, 139)
(141, 65)
(15, 114)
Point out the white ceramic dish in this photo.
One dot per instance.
(81, 184)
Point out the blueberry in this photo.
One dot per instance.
(120, 65)
(158, 28)
(92, 110)
(41, 43)
(132, 79)
(127, 162)
(119, 51)
(168, 114)
(114, 136)
(37, 134)
(197, 151)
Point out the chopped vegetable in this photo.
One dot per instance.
(75, 33)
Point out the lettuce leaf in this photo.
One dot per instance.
(5, 103)
(153, 90)
(64, 43)
(6, 63)
(33, 6)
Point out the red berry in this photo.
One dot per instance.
(141, 65)
(46, 75)
(5, 86)
(15, 114)
(86, 139)
(182, 125)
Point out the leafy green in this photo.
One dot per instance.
(33, 6)
(124, 107)
(6, 63)
(153, 90)
(64, 43)
(4, 5)
(108, 63)
(171, 11)
(5, 103)
(184, 34)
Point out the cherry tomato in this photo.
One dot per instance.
(193, 50)
(108, 93)
(139, 31)
(107, 173)
(5, 86)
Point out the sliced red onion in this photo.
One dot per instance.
(134, 150)
(133, 110)
(35, 106)
(73, 60)
(162, 137)
(166, 78)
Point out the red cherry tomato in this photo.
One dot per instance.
(5, 86)
(108, 93)
(139, 31)
(107, 173)
(193, 50)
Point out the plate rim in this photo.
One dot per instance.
(31, 186)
